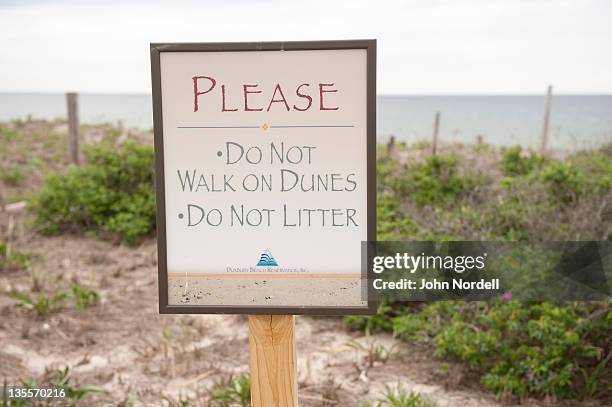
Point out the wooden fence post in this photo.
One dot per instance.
(391, 145)
(272, 361)
(547, 103)
(436, 129)
(73, 127)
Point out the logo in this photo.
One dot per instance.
(267, 260)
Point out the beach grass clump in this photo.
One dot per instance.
(84, 298)
(112, 195)
(61, 380)
(398, 396)
(11, 259)
(236, 390)
(46, 304)
(43, 305)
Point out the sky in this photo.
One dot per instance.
(424, 46)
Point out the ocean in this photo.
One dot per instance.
(576, 121)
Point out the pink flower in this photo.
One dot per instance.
(507, 296)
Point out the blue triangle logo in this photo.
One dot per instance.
(267, 260)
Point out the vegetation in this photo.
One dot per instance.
(84, 298)
(514, 163)
(233, 391)
(11, 259)
(11, 176)
(375, 352)
(436, 182)
(61, 379)
(112, 195)
(399, 397)
(519, 349)
(538, 349)
(56, 379)
(46, 304)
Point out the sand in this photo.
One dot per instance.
(282, 292)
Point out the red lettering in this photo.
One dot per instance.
(246, 102)
(223, 109)
(321, 92)
(278, 88)
(302, 95)
(196, 91)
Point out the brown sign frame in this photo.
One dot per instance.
(156, 50)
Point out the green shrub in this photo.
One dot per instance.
(597, 168)
(387, 171)
(8, 134)
(113, 194)
(538, 349)
(518, 348)
(11, 176)
(436, 181)
(373, 324)
(514, 163)
(408, 326)
(508, 219)
(565, 181)
(391, 222)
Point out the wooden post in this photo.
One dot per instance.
(546, 119)
(73, 127)
(391, 145)
(436, 129)
(272, 361)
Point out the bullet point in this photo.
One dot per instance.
(181, 216)
(219, 153)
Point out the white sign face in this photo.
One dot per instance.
(265, 177)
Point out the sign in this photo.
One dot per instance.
(265, 175)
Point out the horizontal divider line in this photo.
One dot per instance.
(290, 127)
(271, 127)
(217, 127)
(261, 275)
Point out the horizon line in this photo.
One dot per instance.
(424, 94)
